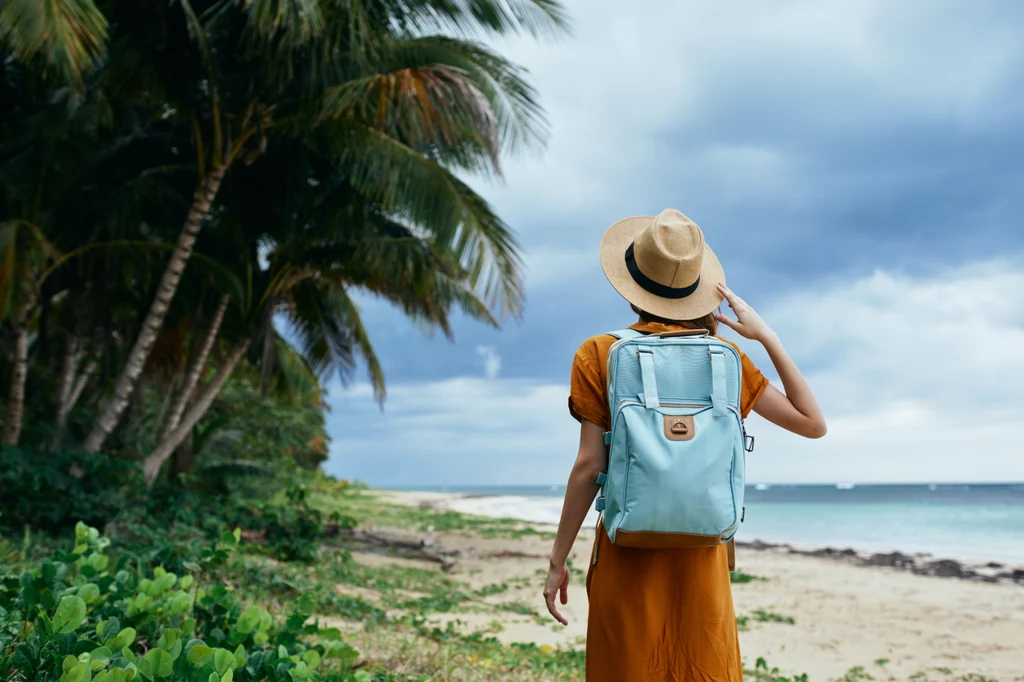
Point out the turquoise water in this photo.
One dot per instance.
(969, 522)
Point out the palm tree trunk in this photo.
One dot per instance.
(151, 465)
(195, 370)
(16, 397)
(72, 356)
(126, 383)
(76, 392)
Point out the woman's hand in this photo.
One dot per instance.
(747, 324)
(557, 584)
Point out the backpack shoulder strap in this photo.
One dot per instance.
(626, 334)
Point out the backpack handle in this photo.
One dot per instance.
(683, 332)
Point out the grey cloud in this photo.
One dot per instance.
(814, 142)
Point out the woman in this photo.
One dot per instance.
(661, 615)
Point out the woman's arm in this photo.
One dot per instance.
(580, 491)
(795, 410)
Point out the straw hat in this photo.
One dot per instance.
(662, 265)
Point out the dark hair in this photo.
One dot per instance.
(706, 322)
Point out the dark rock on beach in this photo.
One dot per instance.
(919, 564)
(892, 560)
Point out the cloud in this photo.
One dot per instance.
(492, 360)
(855, 165)
(918, 376)
(457, 431)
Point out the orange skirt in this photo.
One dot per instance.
(661, 615)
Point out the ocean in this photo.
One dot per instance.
(976, 522)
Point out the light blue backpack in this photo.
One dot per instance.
(677, 447)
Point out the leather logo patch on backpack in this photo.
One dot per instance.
(679, 427)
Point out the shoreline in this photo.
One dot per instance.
(918, 563)
(813, 611)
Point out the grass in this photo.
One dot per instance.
(369, 509)
(391, 611)
(741, 578)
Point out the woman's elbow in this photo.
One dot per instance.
(816, 429)
(588, 467)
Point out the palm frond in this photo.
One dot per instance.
(24, 252)
(218, 274)
(330, 332)
(293, 380)
(394, 263)
(421, 192)
(534, 17)
(429, 105)
(291, 23)
(68, 35)
(480, 85)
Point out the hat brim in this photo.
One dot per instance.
(613, 261)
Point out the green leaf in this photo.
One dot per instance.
(163, 583)
(214, 677)
(198, 655)
(168, 639)
(70, 614)
(186, 582)
(260, 638)
(107, 629)
(105, 676)
(306, 604)
(228, 539)
(123, 639)
(300, 671)
(179, 604)
(89, 592)
(331, 634)
(223, 661)
(100, 657)
(189, 624)
(129, 655)
(68, 663)
(156, 663)
(249, 620)
(228, 676)
(312, 658)
(80, 673)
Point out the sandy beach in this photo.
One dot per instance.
(892, 622)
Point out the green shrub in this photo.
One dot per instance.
(80, 617)
(53, 490)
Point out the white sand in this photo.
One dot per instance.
(845, 615)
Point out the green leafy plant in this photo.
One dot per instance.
(762, 673)
(78, 617)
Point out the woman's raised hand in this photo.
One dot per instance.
(748, 323)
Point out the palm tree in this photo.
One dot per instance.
(315, 239)
(24, 252)
(234, 73)
(384, 112)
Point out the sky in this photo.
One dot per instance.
(856, 166)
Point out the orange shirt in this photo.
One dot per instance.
(656, 615)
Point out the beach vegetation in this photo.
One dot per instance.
(741, 578)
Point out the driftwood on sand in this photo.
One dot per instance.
(394, 544)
